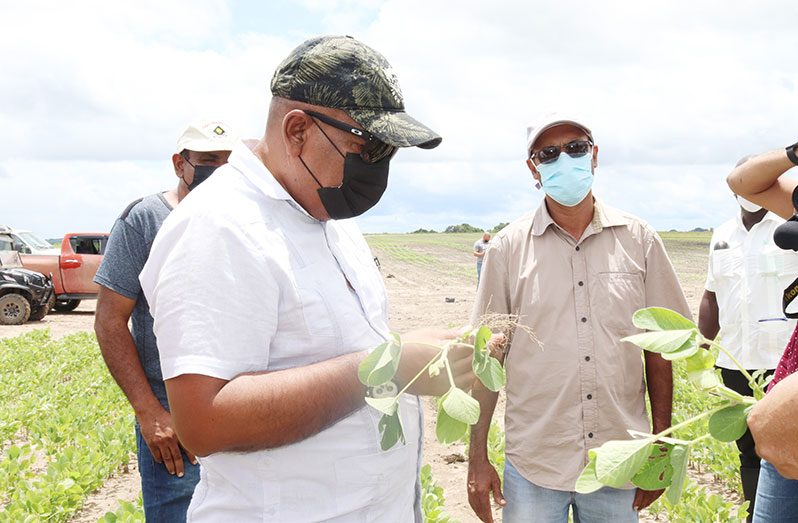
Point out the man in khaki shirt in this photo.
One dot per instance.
(575, 271)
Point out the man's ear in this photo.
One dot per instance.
(533, 169)
(595, 156)
(535, 173)
(295, 131)
(178, 162)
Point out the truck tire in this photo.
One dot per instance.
(66, 305)
(39, 313)
(14, 309)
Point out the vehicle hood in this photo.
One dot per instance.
(24, 276)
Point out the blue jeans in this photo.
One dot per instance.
(528, 503)
(166, 497)
(776, 497)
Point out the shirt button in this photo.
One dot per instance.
(584, 320)
(589, 434)
(590, 396)
(577, 247)
(581, 283)
(587, 358)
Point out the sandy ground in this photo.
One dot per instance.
(418, 296)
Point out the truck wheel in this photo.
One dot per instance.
(14, 309)
(39, 313)
(66, 305)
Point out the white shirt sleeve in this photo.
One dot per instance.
(710, 283)
(212, 296)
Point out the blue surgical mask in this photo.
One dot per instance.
(567, 180)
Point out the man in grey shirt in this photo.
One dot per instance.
(168, 473)
(480, 246)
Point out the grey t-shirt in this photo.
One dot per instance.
(125, 255)
(481, 246)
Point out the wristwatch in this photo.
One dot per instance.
(386, 390)
(791, 153)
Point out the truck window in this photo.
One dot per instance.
(33, 240)
(88, 244)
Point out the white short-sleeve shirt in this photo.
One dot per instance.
(748, 272)
(242, 279)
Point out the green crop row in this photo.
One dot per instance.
(64, 425)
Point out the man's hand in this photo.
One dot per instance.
(644, 498)
(420, 347)
(161, 438)
(482, 482)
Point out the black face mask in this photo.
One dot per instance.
(360, 190)
(201, 173)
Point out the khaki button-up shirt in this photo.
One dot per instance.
(582, 387)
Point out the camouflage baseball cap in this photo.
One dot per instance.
(342, 73)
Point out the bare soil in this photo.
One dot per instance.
(421, 295)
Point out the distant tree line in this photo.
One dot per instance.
(463, 227)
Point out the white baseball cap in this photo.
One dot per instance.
(547, 122)
(205, 135)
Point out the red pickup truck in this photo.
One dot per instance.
(73, 270)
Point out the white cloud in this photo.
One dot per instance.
(96, 93)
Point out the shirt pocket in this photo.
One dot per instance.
(369, 484)
(726, 263)
(618, 296)
(315, 287)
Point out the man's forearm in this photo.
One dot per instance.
(264, 410)
(774, 425)
(478, 443)
(760, 181)
(659, 380)
(122, 359)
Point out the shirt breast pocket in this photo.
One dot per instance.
(313, 284)
(619, 295)
(726, 263)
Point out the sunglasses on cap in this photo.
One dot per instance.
(574, 149)
(373, 150)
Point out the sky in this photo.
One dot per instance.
(93, 95)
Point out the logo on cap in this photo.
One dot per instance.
(219, 130)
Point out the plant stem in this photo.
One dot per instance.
(739, 365)
(448, 368)
(423, 369)
(691, 420)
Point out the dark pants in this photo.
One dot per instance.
(749, 461)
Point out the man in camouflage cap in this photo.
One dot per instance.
(266, 299)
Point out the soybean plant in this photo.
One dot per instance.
(456, 408)
(658, 461)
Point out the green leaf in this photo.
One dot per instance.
(704, 379)
(661, 319)
(587, 481)
(491, 373)
(447, 428)
(384, 405)
(460, 406)
(487, 368)
(685, 351)
(657, 472)
(701, 360)
(729, 424)
(662, 341)
(679, 455)
(380, 366)
(391, 430)
(618, 461)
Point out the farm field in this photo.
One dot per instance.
(59, 407)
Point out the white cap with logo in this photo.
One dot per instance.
(547, 122)
(203, 135)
